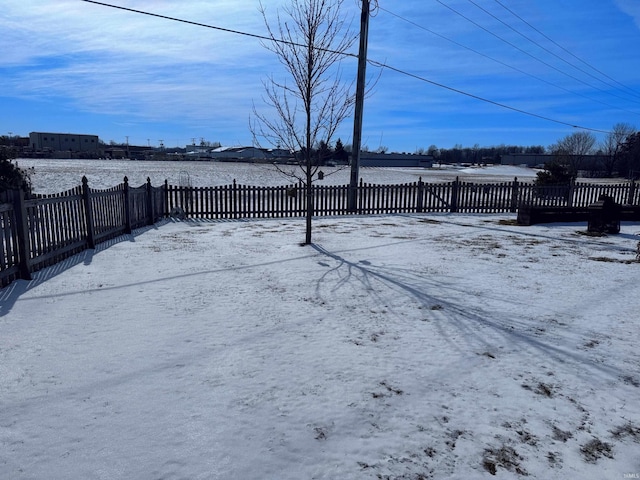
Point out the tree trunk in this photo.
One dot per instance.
(307, 240)
(308, 102)
(309, 216)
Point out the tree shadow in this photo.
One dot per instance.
(463, 327)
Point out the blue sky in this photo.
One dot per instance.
(72, 66)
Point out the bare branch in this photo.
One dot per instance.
(310, 44)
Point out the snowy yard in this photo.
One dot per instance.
(395, 347)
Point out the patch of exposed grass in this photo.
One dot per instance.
(595, 449)
(629, 380)
(554, 459)
(590, 234)
(320, 433)
(503, 457)
(627, 430)
(429, 220)
(541, 388)
(544, 389)
(391, 389)
(602, 259)
(527, 437)
(614, 260)
(509, 222)
(561, 435)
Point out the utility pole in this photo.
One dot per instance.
(359, 107)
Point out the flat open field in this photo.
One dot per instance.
(53, 175)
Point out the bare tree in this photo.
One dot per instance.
(612, 143)
(312, 103)
(572, 149)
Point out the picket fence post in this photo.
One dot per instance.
(88, 212)
(166, 198)
(572, 187)
(455, 187)
(420, 202)
(234, 203)
(151, 216)
(515, 192)
(127, 207)
(632, 191)
(22, 231)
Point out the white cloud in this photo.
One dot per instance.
(632, 8)
(111, 61)
(75, 26)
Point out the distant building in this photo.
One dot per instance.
(526, 159)
(241, 154)
(279, 155)
(537, 160)
(63, 142)
(370, 159)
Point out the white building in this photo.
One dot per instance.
(240, 154)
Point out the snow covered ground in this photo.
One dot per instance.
(57, 175)
(395, 347)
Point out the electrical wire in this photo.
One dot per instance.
(228, 30)
(461, 92)
(372, 62)
(523, 51)
(500, 62)
(542, 47)
(565, 50)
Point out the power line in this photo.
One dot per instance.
(500, 62)
(372, 62)
(564, 49)
(523, 51)
(228, 30)
(543, 47)
(461, 92)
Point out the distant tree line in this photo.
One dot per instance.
(14, 141)
(458, 154)
(617, 154)
(324, 153)
(477, 154)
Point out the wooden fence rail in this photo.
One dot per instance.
(241, 201)
(40, 230)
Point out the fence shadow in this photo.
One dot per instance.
(10, 294)
(39, 230)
